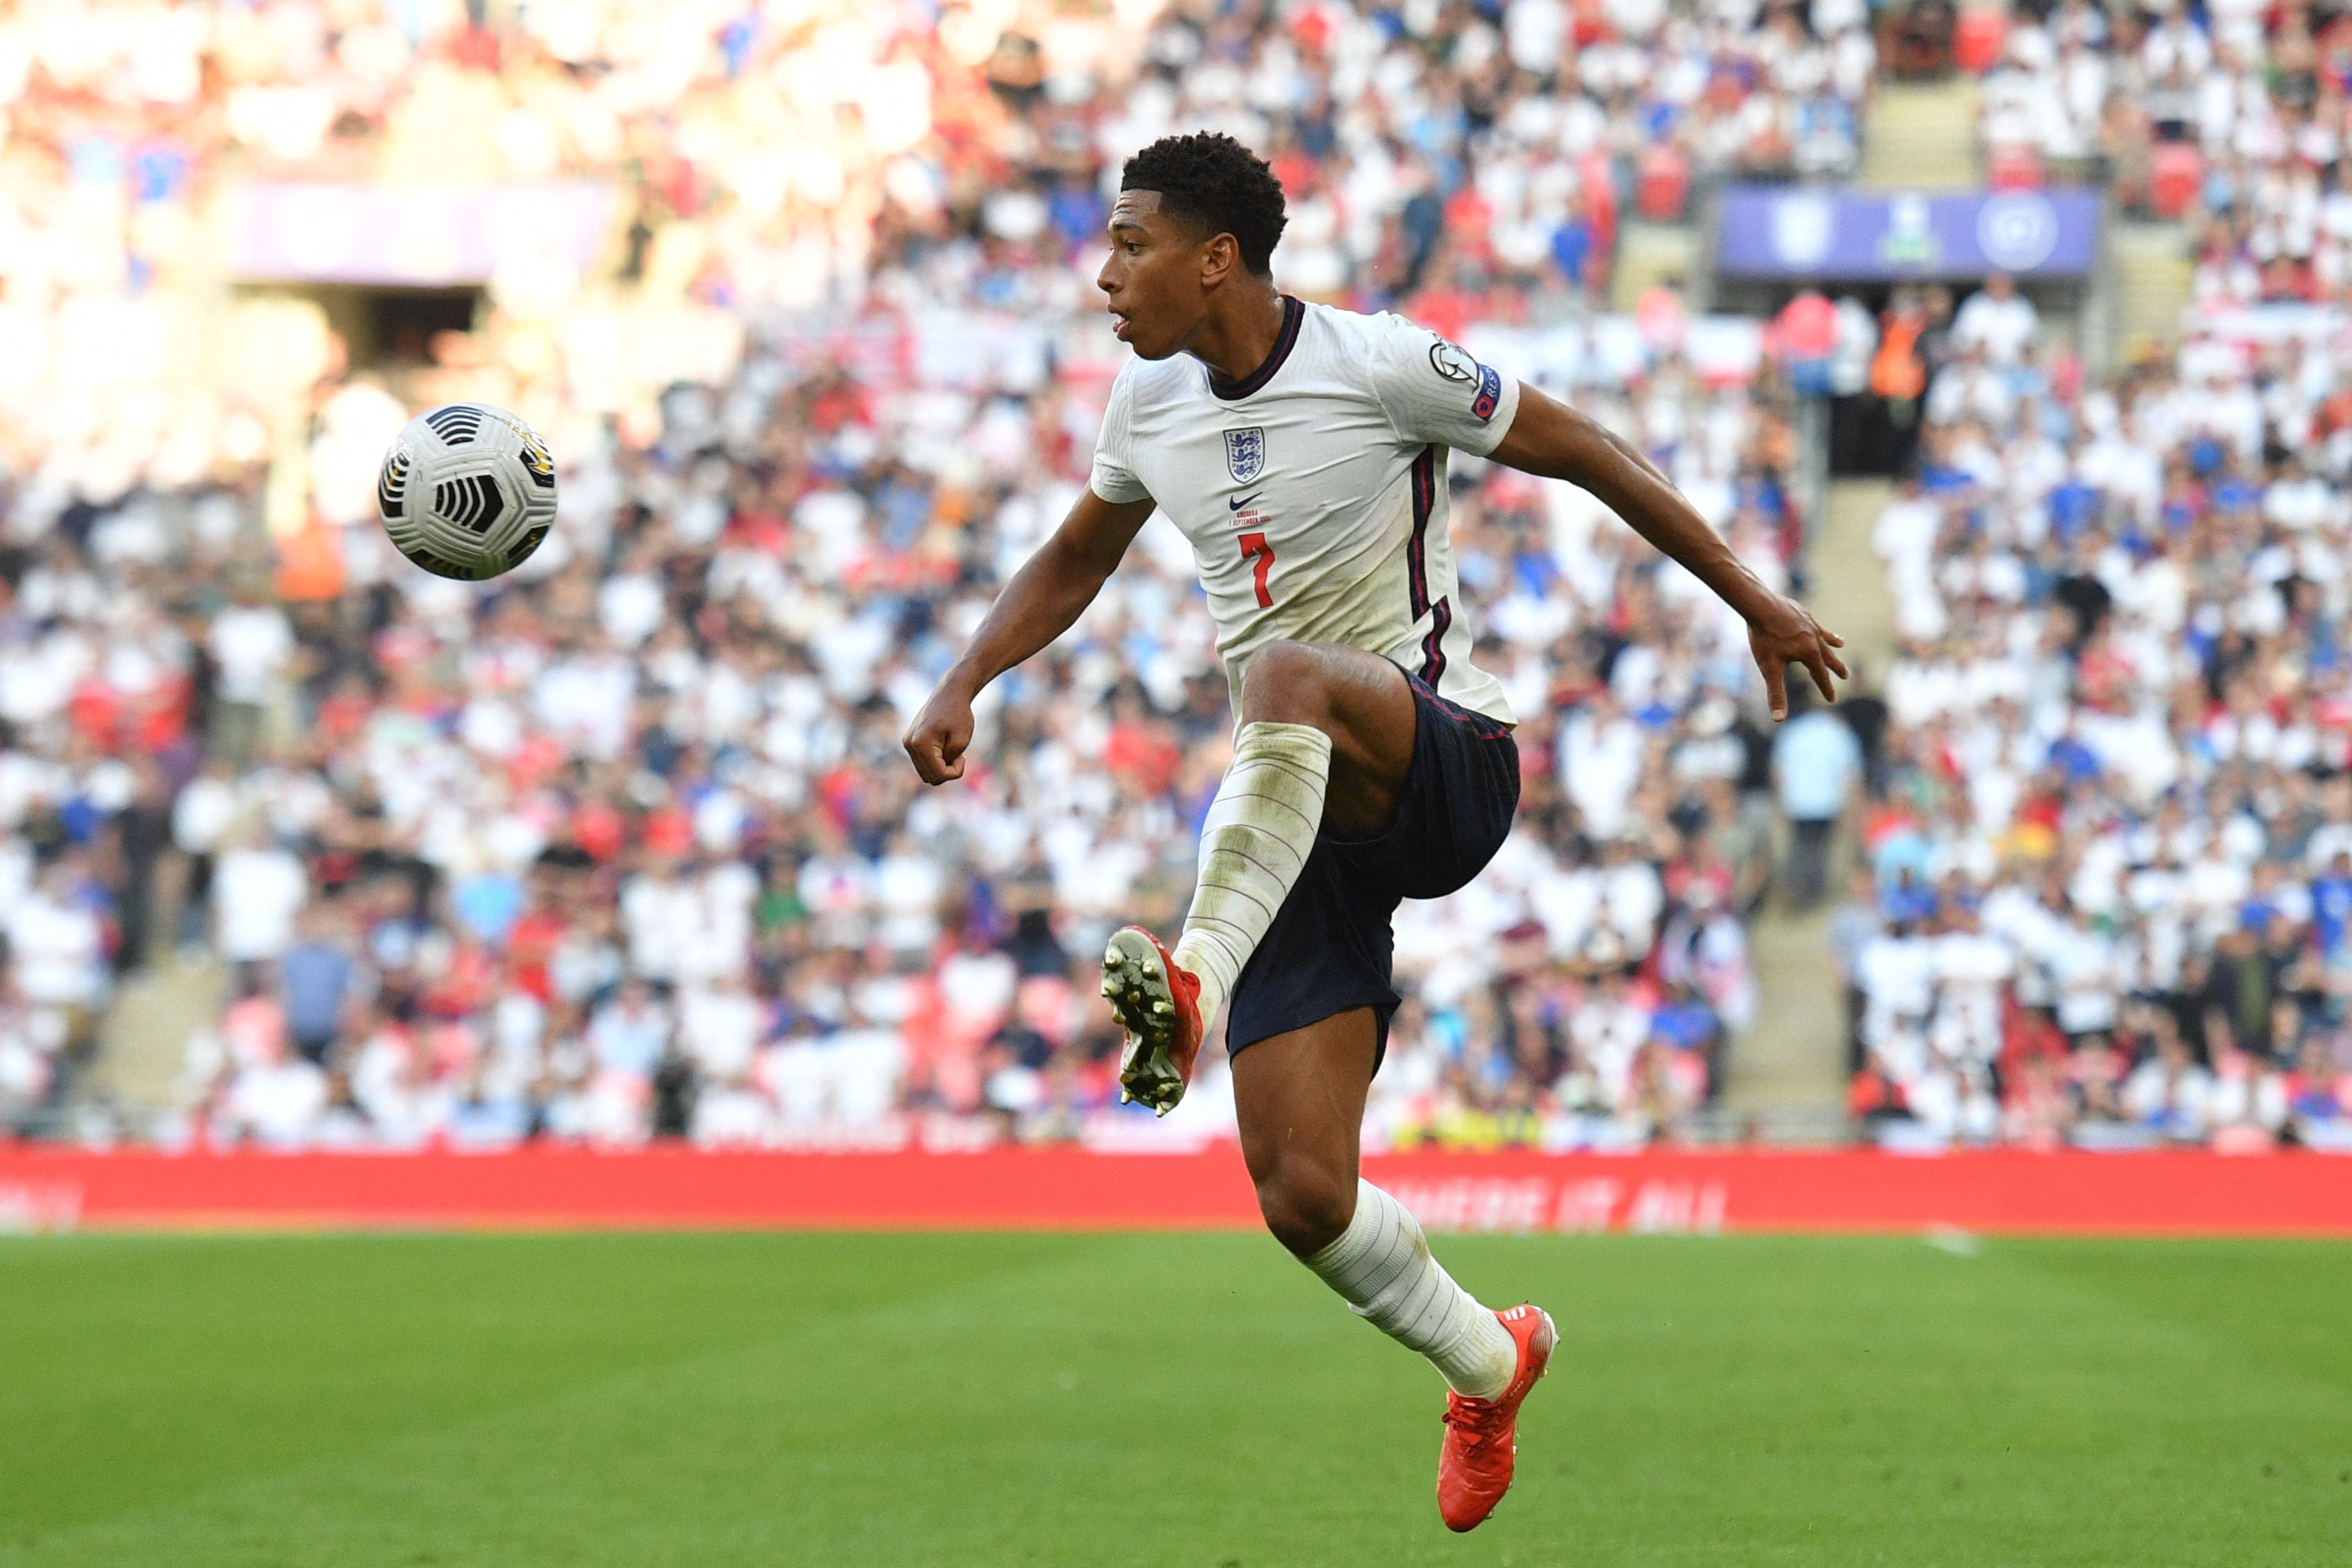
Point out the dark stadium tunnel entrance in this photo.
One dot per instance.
(1867, 435)
(404, 323)
(393, 330)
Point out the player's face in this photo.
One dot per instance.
(1152, 276)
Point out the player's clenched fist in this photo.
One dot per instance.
(936, 739)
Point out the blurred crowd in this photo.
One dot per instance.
(2106, 825)
(797, 155)
(624, 846)
(2231, 115)
(756, 152)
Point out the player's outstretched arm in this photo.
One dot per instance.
(1552, 440)
(1051, 589)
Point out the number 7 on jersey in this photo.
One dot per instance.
(1254, 547)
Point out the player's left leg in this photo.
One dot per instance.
(1299, 1097)
(1425, 798)
(1324, 744)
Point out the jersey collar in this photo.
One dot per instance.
(1292, 313)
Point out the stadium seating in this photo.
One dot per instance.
(2014, 169)
(2105, 874)
(2176, 175)
(1662, 184)
(625, 848)
(1978, 38)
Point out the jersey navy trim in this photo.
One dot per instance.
(1433, 646)
(1293, 314)
(1440, 615)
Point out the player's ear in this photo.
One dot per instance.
(1221, 257)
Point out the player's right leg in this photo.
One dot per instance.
(1300, 1100)
(1325, 739)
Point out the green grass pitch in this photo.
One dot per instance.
(509, 1402)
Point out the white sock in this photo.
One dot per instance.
(1380, 1264)
(1256, 838)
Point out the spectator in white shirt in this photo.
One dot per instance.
(56, 945)
(251, 642)
(2085, 968)
(1997, 319)
(258, 888)
(718, 1027)
(2168, 1093)
(627, 1035)
(1897, 972)
(1600, 762)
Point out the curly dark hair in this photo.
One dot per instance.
(1218, 186)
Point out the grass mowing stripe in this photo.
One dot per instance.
(509, 1481)
(1865, 1401)
(1191, 1400)
(2299, 1329)
(143, 1367)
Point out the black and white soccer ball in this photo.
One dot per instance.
(466, 491)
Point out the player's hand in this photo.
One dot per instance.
(936, 739)
(1784, 632)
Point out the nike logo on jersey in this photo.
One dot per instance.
(1237, 505)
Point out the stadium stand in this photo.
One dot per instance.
(2097, 896)
(2106, 848)
(625, 848)
(2230, 116)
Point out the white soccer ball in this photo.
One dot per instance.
(466, 491)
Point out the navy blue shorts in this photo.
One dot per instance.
(1331, 944)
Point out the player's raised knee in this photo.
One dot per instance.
(1307, 1208)
(1289, 683)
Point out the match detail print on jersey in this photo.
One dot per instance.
(1313, 489)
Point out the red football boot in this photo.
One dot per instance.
(1158, 1006)
(1474, 1468)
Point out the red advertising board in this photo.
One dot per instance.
(1993, 1191)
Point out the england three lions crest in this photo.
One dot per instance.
(1245, 453)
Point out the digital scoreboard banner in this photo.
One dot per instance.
(1809, 232)
(313, 231)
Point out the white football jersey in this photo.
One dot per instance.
(1314, 492)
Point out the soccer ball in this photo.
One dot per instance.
(466, 491)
